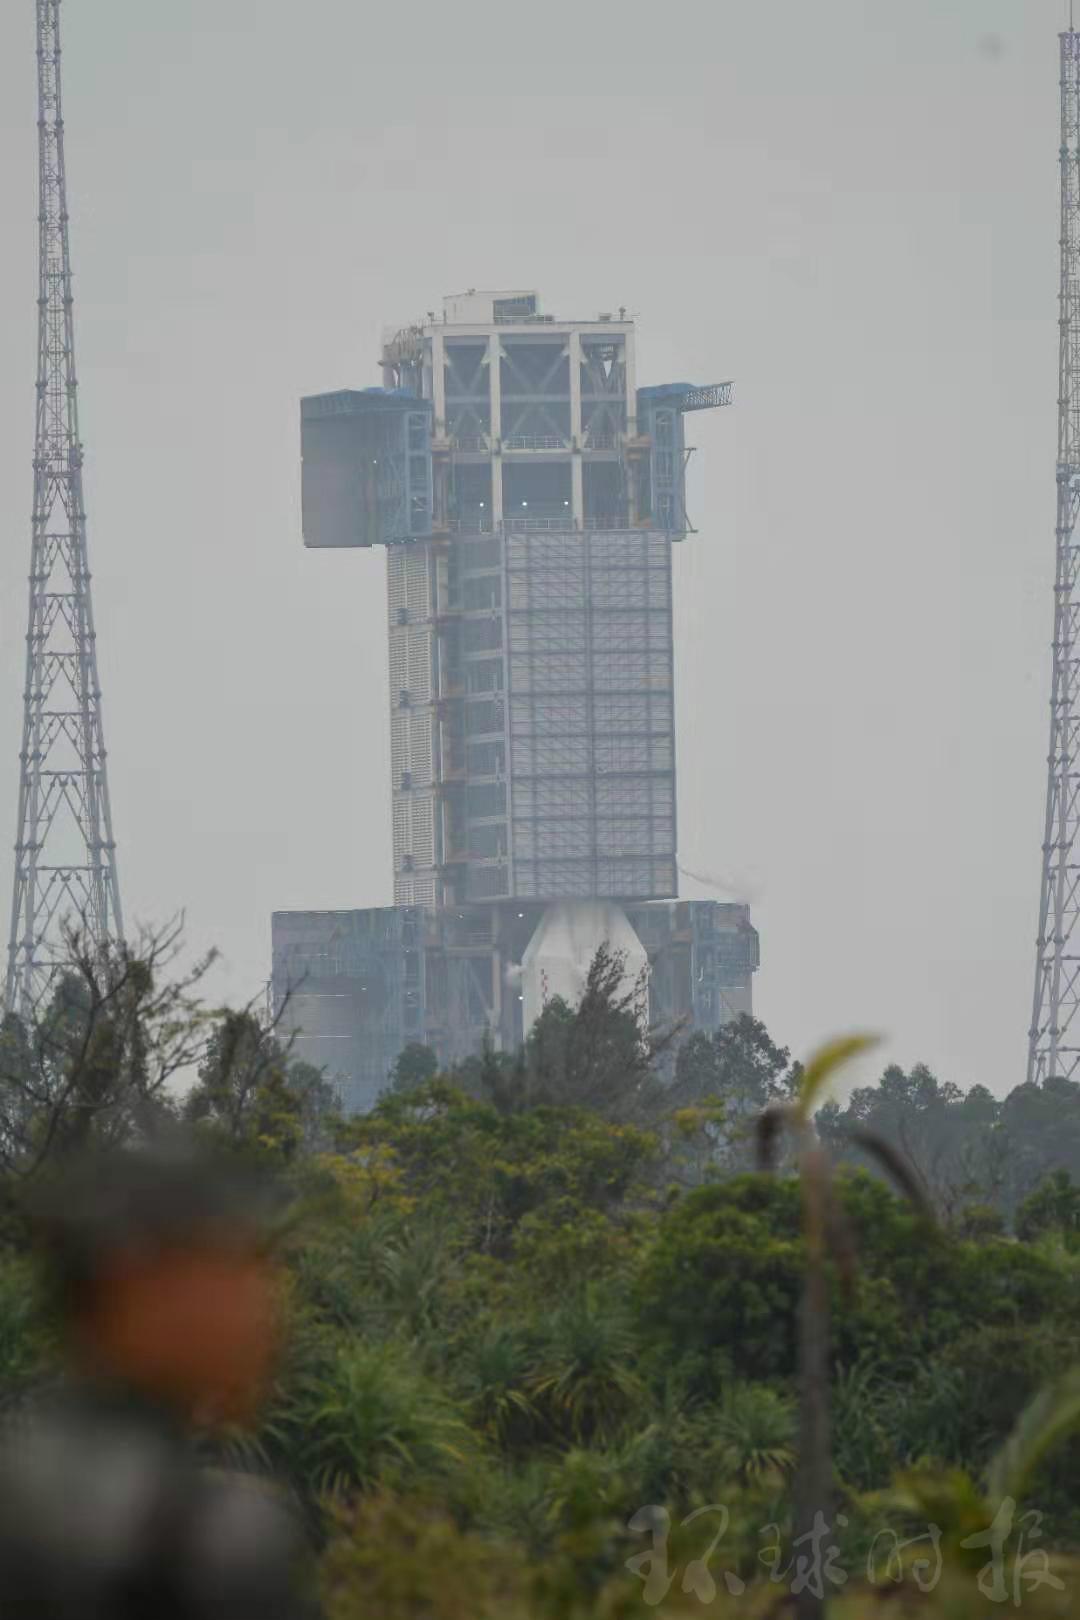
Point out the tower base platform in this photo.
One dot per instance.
(353, 988)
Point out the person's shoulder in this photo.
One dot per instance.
(245, 1549)
(87, 1471)
(80, 1499)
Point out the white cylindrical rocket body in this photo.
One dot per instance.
(558, 957)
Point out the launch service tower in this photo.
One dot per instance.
(528, 494)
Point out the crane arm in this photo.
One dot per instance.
(707, 398)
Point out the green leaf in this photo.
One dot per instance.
(822, 1065)
(1051, 1414)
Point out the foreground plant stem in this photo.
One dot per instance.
(813, 1482)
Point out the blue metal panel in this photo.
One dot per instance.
(667, 466)
(725, 953)
(660, 416)
(367, 473)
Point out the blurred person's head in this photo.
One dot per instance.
(165, 1278)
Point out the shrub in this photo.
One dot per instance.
(369, 1416)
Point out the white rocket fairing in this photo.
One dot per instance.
(558, 957)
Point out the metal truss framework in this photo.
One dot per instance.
(1054, 1037)
(65, 860)
(532, 724)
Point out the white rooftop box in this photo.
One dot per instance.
(474, 308)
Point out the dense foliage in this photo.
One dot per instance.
(969, 1149)
(543, 1312)
(515, 1330)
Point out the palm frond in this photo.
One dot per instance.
(897, 1166)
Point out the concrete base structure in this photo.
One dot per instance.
(357, 986)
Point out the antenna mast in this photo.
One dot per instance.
(65, 863)
(1054, 1040)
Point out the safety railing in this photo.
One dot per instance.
(535, 441)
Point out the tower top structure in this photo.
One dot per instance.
(529, 491)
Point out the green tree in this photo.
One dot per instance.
(1041, 1127)
(402, 1557)
(251, 1097)
(414, 1066)
(95, 1064)
(593, 1056)
(954, 1141)
(737, 1070)
(1054, 1206)
(738, 1063)
(484, 1173)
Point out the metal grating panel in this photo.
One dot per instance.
(591, 722)
(421, 757)
(419, 664)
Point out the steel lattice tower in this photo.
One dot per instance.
(1054, 1048)
(65, 865)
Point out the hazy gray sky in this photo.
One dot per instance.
(850, 208)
